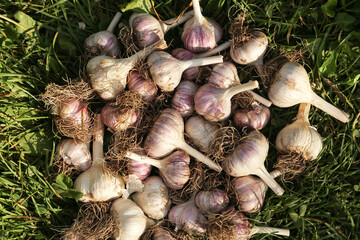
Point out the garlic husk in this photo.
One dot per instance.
(183, 99)
(174, 169)
(142, 170)
(213, 201)
(75, 111)
(201, 132)
(251, 191)
(291, 86)
(154, 200)
(255, 118)
(187, 217)
(214, 103)
(162, 234)
(167, 134)
(98, 184)
(225, 75)
(144, 87)
(183, 54)
(162, 65)
(75, 153)
(252, 51)
(300, 137)
(130, 220)
(104, 42)
(108, 75)
(200, 33)
(148, 30)
(119, 119)
(248, 158)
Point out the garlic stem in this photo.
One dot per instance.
(260, 99)
(144, 159)
(329, 108)
(303, 112)
(113, 23)
(202, 61)
(214, 51)
(275, 173)
(98, 143)
(197, 10)
(199, 156)
(269, 180)
(181, 20)
(145, 52)
(270, 230)
(241, 88)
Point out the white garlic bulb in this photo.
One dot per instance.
(154, 200)
(299, 137)
(75, 153)
(130, 220)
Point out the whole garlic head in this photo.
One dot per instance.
(74, 153)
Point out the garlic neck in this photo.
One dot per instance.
(181, 20)
(303, 112)
(214, 51)
(98, 143)
(145, 159)
(201, 62)
(113, 23)
(230, 92)
(142, 54)
(197, 10)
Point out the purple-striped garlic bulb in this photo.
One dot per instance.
(214, 103)
(166, 71)
(249, 157)
(255, 118)
(146, 88)
(174, 169)
(213, 201)
(118, 119)
(75, 111)
(104, 42)
(162, 234)
(200, 33)
(183, 99)
(142, 170)
(167, 134)
(75, 153)
(201, 132)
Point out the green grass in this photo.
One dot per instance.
(40, 42)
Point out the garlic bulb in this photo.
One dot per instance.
(104, 42)
(130, 220)
(119, 119)
(202, 133)
(256, 118)
(299, 137)
(161, 234)
(291, 86)
(248, 158)
(211, 201)
(148, 30)
(108, 75)
(98, 184)
(225, 75)
(75, 111)
(146, 88)
(200, 33)
(183, 99)
(250, 192)
(142, 170)
(187, 217)
(214, 103)
(167, 134)
(154, 200)
(174, 169)
(74, 153)
(162, 65)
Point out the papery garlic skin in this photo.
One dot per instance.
(144, 87)
(129, 219)
(76, 111)
(146, 29)
(162, 234)
(224, 75)
(202, 133)
(252, 51)
(103, 41)
(256, 118)
(119, 119)
(74, 153)
(142, 170)
(183, 99)
(183, 54)
(187, 217)
(154, 200)
(211, 201)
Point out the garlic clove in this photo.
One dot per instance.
(74, 153)
(144, 87)
(154, 200)
(256, 118)
(183, 99)
(201, 132)
(211, 201)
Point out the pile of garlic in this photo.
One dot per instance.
(140, 201)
